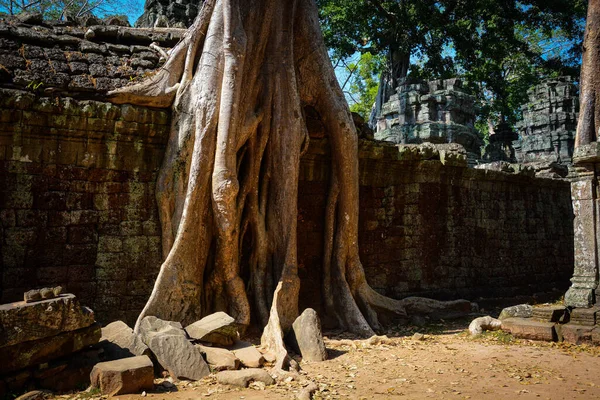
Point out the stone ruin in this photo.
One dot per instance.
(547, 130)
(168, 14)
(437, 111)
(47, 343)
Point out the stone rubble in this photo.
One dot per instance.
(244, 377)
(124, 376)
(119, 341)
(217, 328)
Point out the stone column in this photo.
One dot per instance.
(586, 207)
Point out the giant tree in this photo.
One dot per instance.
(237, 85)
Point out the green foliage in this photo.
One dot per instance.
(364, 83)
(501, 47)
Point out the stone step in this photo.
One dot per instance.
(528, 328)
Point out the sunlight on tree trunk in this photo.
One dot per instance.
(227, 191)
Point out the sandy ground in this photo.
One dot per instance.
(445, 364)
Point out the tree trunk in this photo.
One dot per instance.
(227, 191)
(589, 97)
(396, 70)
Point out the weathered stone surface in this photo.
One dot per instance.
(218, 328)
(119, 341)
(527, 328)
(487, 323)
(243, 377)
(21, 355)
(219, 359)
(35, 395)
(21, 322)
(547, 130)
(169, 343)
(68, 373)
(128, 375)
(518, 311)
(248, 355)
(577, 334)
(306, 336)
(550, 313)
(585, 316)
(437, 111)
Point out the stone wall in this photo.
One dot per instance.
(77, 204)
(77, 209)
(430, 226)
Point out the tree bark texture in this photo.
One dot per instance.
(589, 98)
(237, 85)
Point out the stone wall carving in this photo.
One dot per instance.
(437, 111)
(547, 130)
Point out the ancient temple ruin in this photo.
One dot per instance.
(438, 111)
(168, 14)
(547, 130)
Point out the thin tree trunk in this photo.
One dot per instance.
(589, 114)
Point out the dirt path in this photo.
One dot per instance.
(446, 365)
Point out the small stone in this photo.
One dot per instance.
(218, 328)
(31, 18)
(219, 359)
(35, 395)
(57, 291)
(519, 311)
(129, 375)
(119, 341)
(418, 336)
(248, 354)
(306, 337)
(32, 296)
(47, 293)
(243, 377)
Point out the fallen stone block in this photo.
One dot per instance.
(218, 328)
(550, 313)
(68, 373)
(248, 355)
(35, 395)
(306, 337)
(23, 322)
(170, 345)
(243, 377)
(22, 355)
(585, 316)
(487, 323)
(219, 359)
(128, 375)
(518, 311)
(119, 341)
(577, 334)
(527, 328)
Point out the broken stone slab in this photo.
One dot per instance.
(585, 316)
(125, 376)
(248, 355)
(527, 328)
(119, 341)
(578, 334)
(170, 345)
(518, 311)
(25, 354)
(218, 328)
(35, 395)
(23, 322)
(219, 359)
(243, 377)
(550, 313)
(306, 337)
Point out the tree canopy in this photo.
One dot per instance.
(500, 47)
